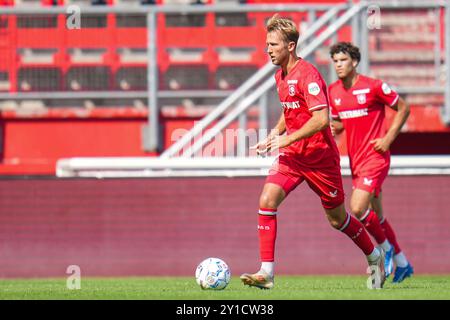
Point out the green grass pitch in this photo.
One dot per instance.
(184, 288)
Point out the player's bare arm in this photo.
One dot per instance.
(336, 127)
(316, 123)
(383, 144)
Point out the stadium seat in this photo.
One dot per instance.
(186, 77)
(5, 84)
(36, 22)
(39, 79)
(131, 78)
(239, 19)
(230, 77)
(88, 78)
(131, 21)
(185, 20)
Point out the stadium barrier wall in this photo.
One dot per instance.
(166, 226)
(31, 144)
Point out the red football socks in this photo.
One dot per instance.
(372, 224)
(355, 231)
(390, 235)
(267, 227)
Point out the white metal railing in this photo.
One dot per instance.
(114, 167)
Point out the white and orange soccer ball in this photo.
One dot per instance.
(213, 273)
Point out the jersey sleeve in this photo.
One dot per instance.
(385, 94)
(333, 111)
(315, 91)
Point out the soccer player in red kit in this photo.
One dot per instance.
(358, 106)
(308, 153)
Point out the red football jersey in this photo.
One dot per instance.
(301, 92)
(362, 111)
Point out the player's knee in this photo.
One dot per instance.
(357, 210)
(267, 201)
(336, 218)
(335, 223)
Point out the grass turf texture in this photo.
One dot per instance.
(182, 288)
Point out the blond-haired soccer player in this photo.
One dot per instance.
(358, 105)
(309, 153)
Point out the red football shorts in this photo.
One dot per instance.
(326, 182)
(371, 180)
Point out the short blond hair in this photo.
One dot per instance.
(285, 26)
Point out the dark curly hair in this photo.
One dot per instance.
(346, 47)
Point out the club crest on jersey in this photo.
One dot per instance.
(292, 83)
(361, 98)
(291, 90)
(337, 101)
(361, 95)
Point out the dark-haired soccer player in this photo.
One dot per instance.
(308, 153)
(358, 106)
